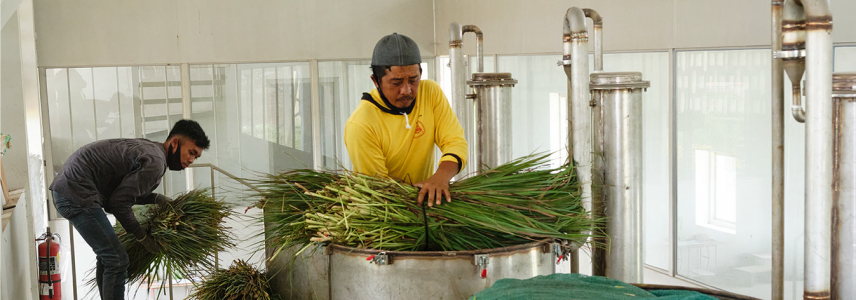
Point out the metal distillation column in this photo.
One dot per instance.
(618, 96)
(844, 197)
(493, 110)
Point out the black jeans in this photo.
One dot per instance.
(111, 265)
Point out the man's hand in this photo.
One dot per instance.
(149, 243)
(161, 199)
(436, 186)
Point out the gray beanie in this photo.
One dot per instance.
(396, 50)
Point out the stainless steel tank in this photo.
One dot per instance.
(844, 185)
(617, 137)
(493, 111)
(336, 272)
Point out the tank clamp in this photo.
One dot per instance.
(380, 259)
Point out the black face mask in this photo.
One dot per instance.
(173, 158)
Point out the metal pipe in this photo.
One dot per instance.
(818, 154)
(479, 44)
(673, 169)
(186, 113)
(73, 260)
(233, 177)
(171, 292)
(315, 113)
(778, 156)
(597, 26)
(792, 52)
(575, 62)
(464, 108)
(214, 195)
(619, 95)
(844, 201)
(797, 110)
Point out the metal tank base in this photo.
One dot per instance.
(333, 272)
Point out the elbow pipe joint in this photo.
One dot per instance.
(594, 16)
(474, 29)
(575, 22)
(574, 29)
(456, 40)
(797, 109)
(479, 44)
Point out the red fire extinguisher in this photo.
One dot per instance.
(49, 275)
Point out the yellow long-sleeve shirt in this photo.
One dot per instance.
(386, 142)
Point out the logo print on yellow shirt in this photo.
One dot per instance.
(420, 130)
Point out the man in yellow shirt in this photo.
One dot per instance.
(393, 130)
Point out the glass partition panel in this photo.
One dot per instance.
(723, 127)
(341, 84)
(90, 104)
(845, 59)
(257, 116)
(539, 102)
(655, 152)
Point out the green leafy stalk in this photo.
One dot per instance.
(241, 281)
(515, 203)
(188, 232)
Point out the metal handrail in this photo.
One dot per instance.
(224, 172)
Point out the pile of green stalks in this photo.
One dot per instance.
(515, 203)
(189, 231)
(241, 281)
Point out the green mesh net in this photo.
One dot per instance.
(576, 286)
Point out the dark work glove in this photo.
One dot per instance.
(161, 199)
(149, 243)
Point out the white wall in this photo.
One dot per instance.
(106, 32)
(535, 26)
(18, 264)
(12, 119)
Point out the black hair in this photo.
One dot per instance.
(190, 129)
(379, 71)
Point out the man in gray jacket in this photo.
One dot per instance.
(113, 175)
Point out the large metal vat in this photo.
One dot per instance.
(333, 272)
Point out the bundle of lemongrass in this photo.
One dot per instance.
(188, 232)
(241, 281)
(515, 203)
